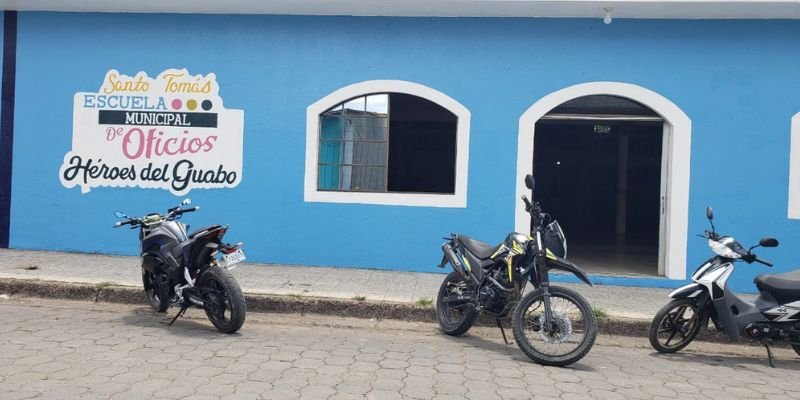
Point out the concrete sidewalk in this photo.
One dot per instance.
(301, 281)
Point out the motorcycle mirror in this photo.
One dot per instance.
(768, 242)
(530, 183)
(120, 214)
(186, 202)
(709, 213)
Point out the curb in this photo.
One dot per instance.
(281, 304)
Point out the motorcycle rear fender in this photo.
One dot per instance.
(566, 265)
(197, 251)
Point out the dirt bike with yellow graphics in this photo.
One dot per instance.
(552, 325)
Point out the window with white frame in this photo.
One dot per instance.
(387, 142)
(404, 145)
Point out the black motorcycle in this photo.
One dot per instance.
(189, 269)
(552, 325)
(773, 317)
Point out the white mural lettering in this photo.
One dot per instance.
(168, 132)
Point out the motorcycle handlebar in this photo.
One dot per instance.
(764, 262)
(528, 205)
(179, 211)
(535, 211)
(128, 222)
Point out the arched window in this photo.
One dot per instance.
(400, 145)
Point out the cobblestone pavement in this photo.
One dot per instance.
(51, 349)
(343, 283)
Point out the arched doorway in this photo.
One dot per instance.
(595, 107)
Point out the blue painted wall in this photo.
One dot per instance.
(737, 81)
(3, 162)
(2, 28)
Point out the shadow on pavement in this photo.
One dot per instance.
(510, 349)
(783, 363)
(183, 326)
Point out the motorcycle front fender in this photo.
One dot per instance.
(152, 263)
(692, 290)
(566, 265)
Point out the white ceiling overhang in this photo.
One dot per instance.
(669, 9)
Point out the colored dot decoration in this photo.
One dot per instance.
(191, 104)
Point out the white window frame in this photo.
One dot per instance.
(313, 112)
(675, 175)
(794, 169)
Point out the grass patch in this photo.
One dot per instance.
(599, 312)
(424, 301)
(105, 284)
(359, 298)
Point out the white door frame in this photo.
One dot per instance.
(675, 163)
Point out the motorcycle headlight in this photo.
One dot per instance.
(722, 249)
(555, 232)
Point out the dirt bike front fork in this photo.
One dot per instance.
(548, 312)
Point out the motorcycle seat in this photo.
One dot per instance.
(201, 230)
(479, 249)
(785, 286)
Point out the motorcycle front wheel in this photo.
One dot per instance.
(572, 331)
(156, 291)
(455, 318)
(675, 325)
(226, 306)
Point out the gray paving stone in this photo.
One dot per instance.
(211, 365)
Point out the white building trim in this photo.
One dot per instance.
(668, 9)
(678, 130)
(456, 200)
(794, 169)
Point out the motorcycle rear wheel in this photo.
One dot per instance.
(157, 295)
(574, 326)
(229, 307)
(672, 320)
(454, 320)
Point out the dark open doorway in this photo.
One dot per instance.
(597, 163)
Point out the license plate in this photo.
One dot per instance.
(229, 260)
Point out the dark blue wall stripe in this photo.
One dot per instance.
(7, 122)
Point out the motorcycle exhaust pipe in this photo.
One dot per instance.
(454, 259)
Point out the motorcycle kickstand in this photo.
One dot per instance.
(178, 315)
(769, 355)
(500, 325)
